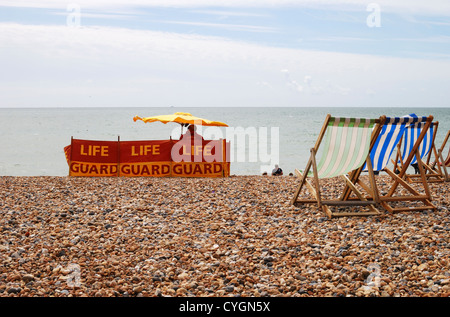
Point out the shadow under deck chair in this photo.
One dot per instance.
(347, 146)
(433, 172)
(389, 137)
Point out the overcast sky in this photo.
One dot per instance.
(260, 53)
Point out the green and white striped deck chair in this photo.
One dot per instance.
(347, 145)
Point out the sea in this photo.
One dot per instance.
(32, 139)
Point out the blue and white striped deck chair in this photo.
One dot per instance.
(346, 148)
(389, 137)
(381, 151)
(424, 124)
(391, 134)
(426, 149)
(410, 137)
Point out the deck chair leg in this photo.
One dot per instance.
(439, 167)
(316, 178)
(415, 196)
(399, 180)
(398, 157)
(327, 211)
(444, 168)
(372, 190)
(358, 193)
(302, 180)
(309, 185)
(354, 175)
(422, 174)
(373, 184)
(432, 172)
(441, 149)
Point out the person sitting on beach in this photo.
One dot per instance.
(414, 165)
(277, 171)
(416, 168)
(191, 133)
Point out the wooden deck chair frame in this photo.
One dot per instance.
(315, 191)
(445, 162)
(397, 179)
(440, 162)
(433, 172)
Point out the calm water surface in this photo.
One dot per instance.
(32, 139)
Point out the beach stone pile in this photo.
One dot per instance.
(235, 236)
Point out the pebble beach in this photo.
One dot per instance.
(202, 237)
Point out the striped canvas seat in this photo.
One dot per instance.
(410, 137)
(390, 135)
(427, 149)
(417, 137)
(346, 146)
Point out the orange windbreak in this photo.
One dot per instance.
(154, 158)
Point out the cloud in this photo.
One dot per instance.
(56, 65)
(430, 7)
(104, 15)
(307, 80)
(232, 27)
(228, 13)
(309, 88)
(290, 82)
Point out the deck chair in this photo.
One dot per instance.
(427, 149)
(445, 162)
(347, 145)
(440, 162)
(390, 135)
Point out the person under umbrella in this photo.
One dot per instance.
(277, 171)
(191, 132)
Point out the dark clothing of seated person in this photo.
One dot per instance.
(191, 133)
(277, 171)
